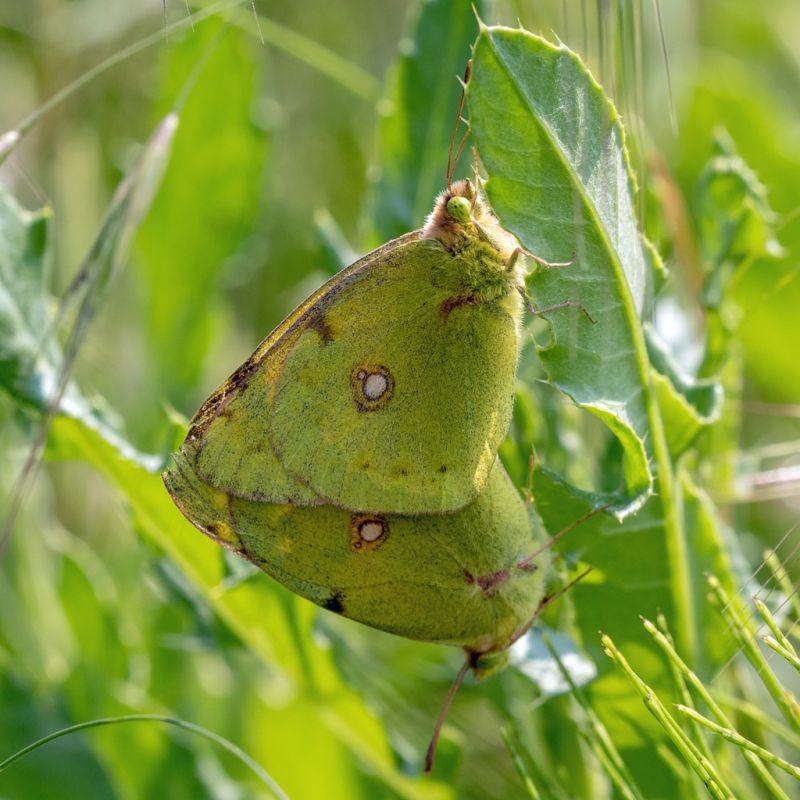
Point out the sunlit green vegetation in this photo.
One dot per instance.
(305, 136)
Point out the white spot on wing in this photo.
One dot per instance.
(375, 386)
(371, 531)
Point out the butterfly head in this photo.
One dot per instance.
(461, 217)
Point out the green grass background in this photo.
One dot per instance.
(282, 164)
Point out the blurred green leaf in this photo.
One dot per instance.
(31, 362)
(420, 113)
(23, 311)
(208, 201)
(737, 225)
(559, 179)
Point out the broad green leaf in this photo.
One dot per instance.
(553, 148)
(208, 200)
(421, 106)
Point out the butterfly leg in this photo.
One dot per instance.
(538, 312)
(521, 251)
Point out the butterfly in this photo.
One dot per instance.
(465, 578)
(353, 456)
(390, 388)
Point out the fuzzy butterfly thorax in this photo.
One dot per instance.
(487, 252)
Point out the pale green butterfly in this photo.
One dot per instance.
(352, 457)
(465, 578)
(472, 578)
(390, 388)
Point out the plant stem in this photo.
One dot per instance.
(755, 762)
(789, 654)
(701, 765)
(104, 66)
(522, 771)
(783, 580)
(743, 632)
(599, 740)
(736, 738)
(678, 676)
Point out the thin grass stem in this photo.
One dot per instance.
(237, 752)
(704, 768)
(664, 642)
(740, 741)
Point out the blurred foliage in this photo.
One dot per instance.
(289, 154)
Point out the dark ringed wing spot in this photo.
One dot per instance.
(372, 385)
(367, 531)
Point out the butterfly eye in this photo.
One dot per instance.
(367, 531)
(459, 208)
(372, 386)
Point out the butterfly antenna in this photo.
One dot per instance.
(451, 164)
(563, 532)
(459, 152)
(443, 712)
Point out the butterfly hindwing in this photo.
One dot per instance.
(457, 578)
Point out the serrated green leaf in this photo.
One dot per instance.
(422, 102)
(553, 148)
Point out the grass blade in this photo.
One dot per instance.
(237, 752)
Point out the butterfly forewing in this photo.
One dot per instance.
(387, 391)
